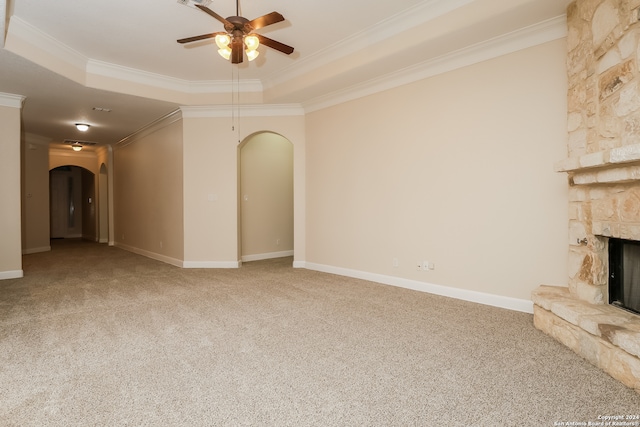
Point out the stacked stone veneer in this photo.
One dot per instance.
(603, 168)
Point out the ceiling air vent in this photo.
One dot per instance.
(193, 3)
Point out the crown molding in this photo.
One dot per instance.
(424, 12)
(152, 127)
(543, 32)
(392, 26)
(11, 100)
(36, 37)
(266, 110)
(419, 14)
(106, 69)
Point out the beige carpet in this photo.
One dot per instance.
(96, 336)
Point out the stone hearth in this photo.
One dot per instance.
(603, 168)
(605, 335)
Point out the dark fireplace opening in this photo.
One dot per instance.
(624, 274)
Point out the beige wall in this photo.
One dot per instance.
(88, 203)
(35, 194)
(148, 193)
(211, 177)
(10, 216)
(104, 188)
(210, 189)
(266, 196)
(67, 157)
(456, 170)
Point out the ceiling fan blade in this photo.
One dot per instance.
(275, 44)
(268, 19)
(215, 15)
(200, 37)
(237, 51)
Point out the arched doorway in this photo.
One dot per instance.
(266, 197)
(72, 203)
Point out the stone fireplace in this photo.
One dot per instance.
(603, 169)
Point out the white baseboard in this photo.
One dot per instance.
(211, 264)
(268, 255)
(103, 240)
(177, 262)
(11, 274)
(515, 304)
(149, 254)
(36, 250)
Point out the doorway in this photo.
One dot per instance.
(266, 197)
(72, 203)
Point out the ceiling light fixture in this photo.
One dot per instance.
(251, 43)
(76, 146)
(82, 127)
(239, 37)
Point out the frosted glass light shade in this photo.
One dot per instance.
(252, 54)
(225, 53)
(223, 40)
(251, 42)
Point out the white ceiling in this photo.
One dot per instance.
(343, 47)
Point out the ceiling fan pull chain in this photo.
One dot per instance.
(238, 102)
(233, 111)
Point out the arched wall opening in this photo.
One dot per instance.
(72, 198)
(265, 195)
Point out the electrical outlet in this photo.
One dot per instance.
(419, 266)
(395, 262)
(425, 265)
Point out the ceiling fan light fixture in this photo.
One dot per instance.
(223, 40)
(76, 146)
(236, 39)
(225, 52)
(82, 127)
(251, 42)
(252, 54)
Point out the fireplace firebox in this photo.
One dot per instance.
(624, 274)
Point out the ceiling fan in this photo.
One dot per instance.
(240, 36)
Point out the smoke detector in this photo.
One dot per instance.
(193, 3)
